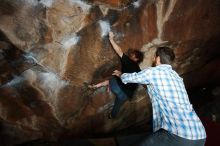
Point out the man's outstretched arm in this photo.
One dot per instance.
(141, 77)
(114, 45)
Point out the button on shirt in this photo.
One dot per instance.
(172, 110)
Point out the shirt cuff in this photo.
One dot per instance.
(123, 78)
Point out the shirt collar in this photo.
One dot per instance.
(165, 66)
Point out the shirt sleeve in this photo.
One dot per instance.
(142, 77)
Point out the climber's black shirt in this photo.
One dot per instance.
(128, 66)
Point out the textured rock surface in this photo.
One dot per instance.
(49, 48)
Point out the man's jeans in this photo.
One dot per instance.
(121, 97)
(164, 138)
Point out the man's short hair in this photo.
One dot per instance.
(139, 55)
(166, 54)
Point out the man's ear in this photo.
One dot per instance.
(158, 60)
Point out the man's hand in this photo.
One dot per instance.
(111, 35)
(117, 73)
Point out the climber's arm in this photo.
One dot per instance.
(114, 45)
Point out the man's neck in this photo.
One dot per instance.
(158, 63)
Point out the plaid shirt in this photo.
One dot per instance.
(172, 110)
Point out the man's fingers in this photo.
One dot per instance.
(116, 73)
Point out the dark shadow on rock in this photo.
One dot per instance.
(7, 8)
(13, 60)
(105, 71)
(72, 142)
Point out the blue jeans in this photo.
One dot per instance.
(121, 97)
(164, 138)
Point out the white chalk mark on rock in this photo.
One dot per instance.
(162, 18)
(105, 28)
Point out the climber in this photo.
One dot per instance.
(129, 64)
(175, 122)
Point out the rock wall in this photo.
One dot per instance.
(49, 49)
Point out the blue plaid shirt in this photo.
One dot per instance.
(172, 110)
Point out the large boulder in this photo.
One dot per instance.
(50, 49)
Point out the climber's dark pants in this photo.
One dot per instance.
(164, 138)
(121, 97)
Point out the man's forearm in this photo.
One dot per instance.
(140, 77)
(128, 78)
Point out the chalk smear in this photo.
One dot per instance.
(70, 41)
(47, 3)
(83, 5)
(137, 4)
(17, 80)
(105, 27)
(51, 83)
